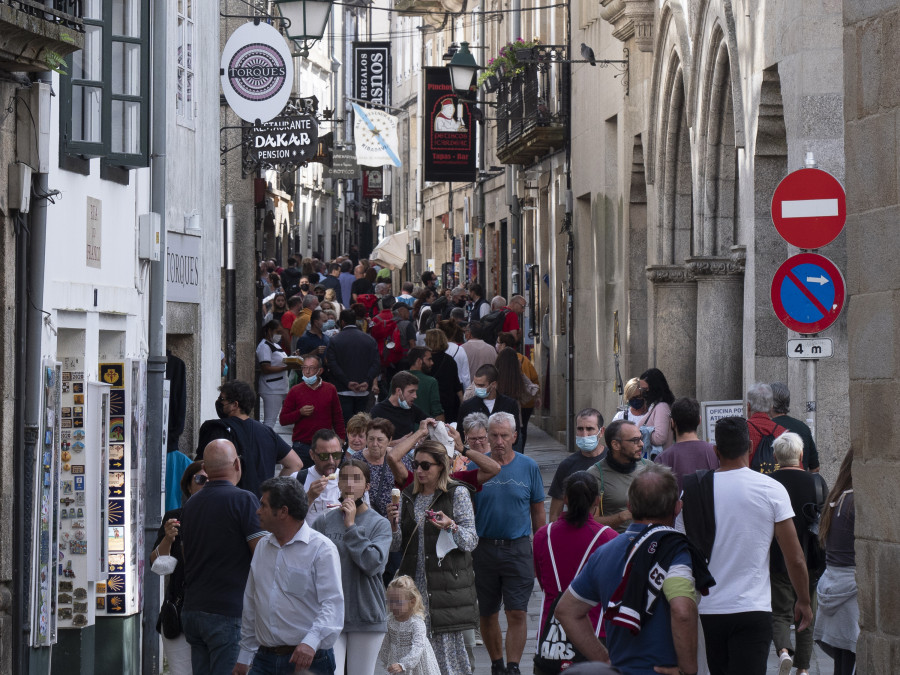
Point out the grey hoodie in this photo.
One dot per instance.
(363, 549)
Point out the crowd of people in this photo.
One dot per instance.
(408, 514)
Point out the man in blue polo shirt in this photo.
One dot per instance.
(220, 530)
(645, 580)
(509, 508)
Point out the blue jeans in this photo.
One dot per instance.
(214, 640)
(267, 663)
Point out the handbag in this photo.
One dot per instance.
(555, 652)
(169, 622)
(650, 450)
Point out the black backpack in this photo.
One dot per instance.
(764, 457)
(812, 512)
(492, 325)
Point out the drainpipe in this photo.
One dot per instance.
(230, 301)
(156, 321)
(570, 246)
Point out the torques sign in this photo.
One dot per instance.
(257, 72)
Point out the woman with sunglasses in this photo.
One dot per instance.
(435, 530)
(363, 539)
(167, 559)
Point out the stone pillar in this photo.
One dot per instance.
(675, 325)
(720, 320)
(871, 113)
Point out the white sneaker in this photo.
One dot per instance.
(478, 640)
(786, 664)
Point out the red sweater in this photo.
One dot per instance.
(759, 424)
(326, 414)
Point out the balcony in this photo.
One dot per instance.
(37, 37)
(532, 114)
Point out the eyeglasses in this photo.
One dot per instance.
(200, 479)
(425, 466)
(477, 439)
(635, 440)
(324, 456)
(644, 390)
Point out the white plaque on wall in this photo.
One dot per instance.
(94, 240)
(183, 267)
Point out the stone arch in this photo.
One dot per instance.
(676, 180)
(716, 215)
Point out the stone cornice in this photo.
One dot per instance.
(710, 267)
(670, 274)
(631, 19)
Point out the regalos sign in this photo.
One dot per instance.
(257, 72)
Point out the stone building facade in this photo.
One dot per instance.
(871, 113)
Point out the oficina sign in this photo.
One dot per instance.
(285, 140)
(257, 72)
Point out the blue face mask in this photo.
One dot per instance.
(404, 404)
(310, 380)
(586, 443)
(481, 392)
(225, 370)
(329, 325)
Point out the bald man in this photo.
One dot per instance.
(220, 530)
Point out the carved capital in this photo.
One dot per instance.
(669, 274)
(631, 19)
(710, 267)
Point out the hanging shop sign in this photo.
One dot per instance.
(449, 132)
(371, 72)
(373, 183)
(257, 72)
(290, 139)
(343, 164)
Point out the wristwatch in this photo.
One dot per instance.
(465, 451)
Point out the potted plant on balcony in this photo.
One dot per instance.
(509, 63)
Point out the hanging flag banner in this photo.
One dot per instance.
(449, 132)
(375, 132)
(257, 72)
(371, 72)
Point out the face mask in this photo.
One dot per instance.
(586, 443)
(481, 392)
(637, 403)
(220, 409)
(328, 325)
(404, 404)
(304, 288)
(310, 380)
(225, 370)
(321, 297)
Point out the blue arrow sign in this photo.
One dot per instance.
(808, 293)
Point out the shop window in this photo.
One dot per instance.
(104, 98)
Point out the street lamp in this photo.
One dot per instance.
(308, 19)
(462, 69)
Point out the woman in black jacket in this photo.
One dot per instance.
(446, 372)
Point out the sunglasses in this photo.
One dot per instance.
(324, 456)
(425, 466)
(200, 479)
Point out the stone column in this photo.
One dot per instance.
(720, 320)
(675, 325)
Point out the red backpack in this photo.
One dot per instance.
(384, 330)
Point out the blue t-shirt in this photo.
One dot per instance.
(503, 507)
(653, 646)
(176, 463)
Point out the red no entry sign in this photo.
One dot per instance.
(808, 293)
(809, 208)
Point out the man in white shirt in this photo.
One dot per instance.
(750, 508)
(322, 490)
(293, 603)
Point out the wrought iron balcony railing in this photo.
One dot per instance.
(38, 37)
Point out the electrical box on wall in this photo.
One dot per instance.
(33, 126)
(19, 186)
(148, 236)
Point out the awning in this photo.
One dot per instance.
(391, 251)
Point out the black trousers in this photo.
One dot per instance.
(737, 644)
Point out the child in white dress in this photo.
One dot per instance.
(406, 648)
